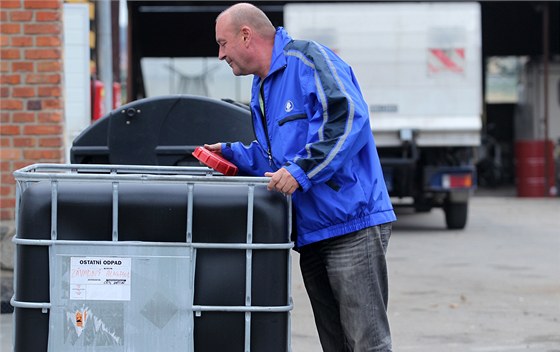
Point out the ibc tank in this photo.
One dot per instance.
(141, 258)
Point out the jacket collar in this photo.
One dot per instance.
(278, 60)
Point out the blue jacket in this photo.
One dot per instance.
(317, 127)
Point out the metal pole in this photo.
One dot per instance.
(106, 52)
(547, 161)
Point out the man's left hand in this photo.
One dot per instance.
(282, 181)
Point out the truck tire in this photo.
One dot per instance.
(455, 215)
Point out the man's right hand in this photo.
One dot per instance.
(216, 148)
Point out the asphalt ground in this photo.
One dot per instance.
(492, 287)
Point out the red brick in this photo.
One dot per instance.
(6, 142)
(9, 54)
(4, 92)
(42, 129)
(7, 179)
(42, 154)
(19, 92)
(7, 214)
(5, 117)
(20, 164)
(10, 4)
(50, 142)
(11, 104)
(8, 202)
(50, 91)
(10, 153)
(4, 66)
(49, 117)
(51, 16)
(10, 28)
(22, 66)
(6, 191)
(49, 66)
(23, 117)
(22, 41)
(10, 79)
(48, 41)
(4, 41)
(42, 79)
(24, 142)
(52, 104)
(21, 16)
(45, 4)
(5, 165)
(9, 130)
(34, 28)
(42, 54)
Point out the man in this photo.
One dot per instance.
(314, 141)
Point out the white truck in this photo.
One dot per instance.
(419, 67)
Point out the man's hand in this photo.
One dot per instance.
(216, 148)
(282, 181)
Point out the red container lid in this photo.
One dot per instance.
(215, 161)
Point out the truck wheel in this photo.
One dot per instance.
(455, 215)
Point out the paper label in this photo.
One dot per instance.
(100, 278)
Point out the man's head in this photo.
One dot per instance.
(245, 37)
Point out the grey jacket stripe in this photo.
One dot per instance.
(320, 62)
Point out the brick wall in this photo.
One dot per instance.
(31, 99)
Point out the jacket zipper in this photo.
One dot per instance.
(263, 120)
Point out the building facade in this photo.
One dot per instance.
(31, 92)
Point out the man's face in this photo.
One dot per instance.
(231, 48)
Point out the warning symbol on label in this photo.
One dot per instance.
(80, 318)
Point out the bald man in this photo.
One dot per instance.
(313, 139)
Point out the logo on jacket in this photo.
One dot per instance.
(289, 106)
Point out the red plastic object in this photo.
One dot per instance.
(215, 161)
(97, 94)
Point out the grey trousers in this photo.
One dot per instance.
(346, 280)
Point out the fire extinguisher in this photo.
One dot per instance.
(117, 101)
(97, 95)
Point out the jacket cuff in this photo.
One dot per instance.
(227, 152)
(299, 175)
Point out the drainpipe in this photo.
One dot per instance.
(105, 52)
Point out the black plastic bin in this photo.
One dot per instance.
(162, 130)
(191, 260)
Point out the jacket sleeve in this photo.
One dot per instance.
(338, 118)
(251, 160)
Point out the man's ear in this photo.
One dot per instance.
(246, 34)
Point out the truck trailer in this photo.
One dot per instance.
(419, 66)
